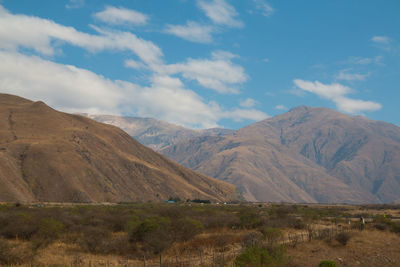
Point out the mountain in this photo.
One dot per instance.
(46, 155)
(154, 133)
(305, 155)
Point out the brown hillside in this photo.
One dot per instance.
(46, 155)
(304, 155)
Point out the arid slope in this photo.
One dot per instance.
(305, 155)
(46, 155)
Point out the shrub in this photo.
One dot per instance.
(259, 256)
(253, 256)
(249, 219)
(395, 228)
(380, 226)
(328, 264)
(186, 228)
(20, 225)
(155, 233)
(93, 239)
(343, 238)
(382, 219)
(14, 255)
(299, 224)
(272, 235)
(252, 239)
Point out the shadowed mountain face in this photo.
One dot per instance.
(305, 155)
(46, 155)
(154, 133)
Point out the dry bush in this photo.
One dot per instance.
(94, 239)
(14, 254)
(252, 239)
(395, 228)
(343, 238)
(272, 235)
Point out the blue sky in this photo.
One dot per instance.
(203, 63)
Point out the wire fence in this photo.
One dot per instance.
(199, 257)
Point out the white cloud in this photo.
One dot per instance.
(246, 114)
(345, 75)
(328, 91)
(265, 8)
(121, 16)
(337, 93)
(166, 98)
(39, 34)
(281, 107)
(356, 106)
(218, 73)
(381, 39)
(133, 64)
(73, 89)
(220, 12)
(363, 60)
(192, 31)
(75, 4)
(382, 42)
(62, 86)
(38, 79)
(248, 103)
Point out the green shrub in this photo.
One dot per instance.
(328, 264)
(253, 256)
(260, 256)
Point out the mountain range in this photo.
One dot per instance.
(154, 133)
(47, 155)
(305, 155)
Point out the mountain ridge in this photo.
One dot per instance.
(47, 155)
(307, 154)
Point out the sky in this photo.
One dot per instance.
(203, 63)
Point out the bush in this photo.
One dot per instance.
(259, 256)
(186, 228)
(395, 228)
(343, 238)
(93, 239)
(14, 255)
(272, 235)
(252, 239)
(328, 264)
(19, 225)
(253, 256)
(380, 226)
(382, 219)
(249, 219)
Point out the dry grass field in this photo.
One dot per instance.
(190, 234)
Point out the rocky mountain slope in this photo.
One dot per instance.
(154, 133)
(305, 155)
(46, 155)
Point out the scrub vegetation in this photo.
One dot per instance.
(232, 234)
